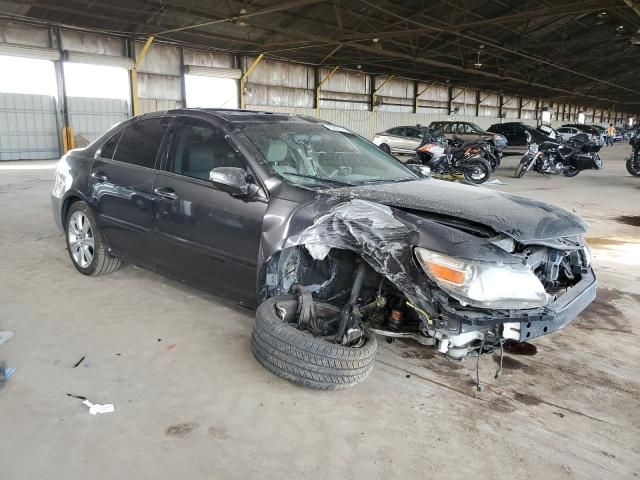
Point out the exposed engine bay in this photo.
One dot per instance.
(401, 298)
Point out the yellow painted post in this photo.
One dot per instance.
(134, 75)
(243, 101)
(329, 75)
(68, 139)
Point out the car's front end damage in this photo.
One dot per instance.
(400, 261)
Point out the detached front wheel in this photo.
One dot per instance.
(301, 358)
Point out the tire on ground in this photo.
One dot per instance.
(303, 359)
(103, 262)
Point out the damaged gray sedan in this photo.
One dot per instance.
(331, 239)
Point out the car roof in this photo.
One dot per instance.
(232, 117)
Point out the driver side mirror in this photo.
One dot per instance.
(230, 179)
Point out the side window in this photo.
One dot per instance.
(109, 147)
(414, 133)
(141, 141)
(199, 148)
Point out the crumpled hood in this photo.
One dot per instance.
(524, 219)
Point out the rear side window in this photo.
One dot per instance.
(108, 149)
(141, 141)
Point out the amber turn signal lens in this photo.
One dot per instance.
(447, 274)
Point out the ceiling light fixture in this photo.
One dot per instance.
(478, 64)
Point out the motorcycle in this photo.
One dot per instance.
(633, 162)
(444, 159)
(486, 150)
(567, 158)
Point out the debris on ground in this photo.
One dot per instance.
(96, 408)
(5, 374)
(5, 336)
(77, 364)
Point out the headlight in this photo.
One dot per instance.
(533, 148)
(483, 284)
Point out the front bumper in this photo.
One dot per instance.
(561, 312)
(523, 325)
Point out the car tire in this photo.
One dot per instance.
(385, 148)
(301, 358)
(85, 242)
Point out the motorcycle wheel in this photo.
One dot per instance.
(571, 171)
(476, 171)
(523, 167)
(633, 167)
(494, 162)
(598, 161)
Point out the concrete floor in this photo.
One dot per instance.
(191, 402)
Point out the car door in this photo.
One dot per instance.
(121, 186)
(412, 139)
(466, 132)
(396, 138)
(208, 237)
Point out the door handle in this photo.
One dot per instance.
(99, 176)
(166, 192)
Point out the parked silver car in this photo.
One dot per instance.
(566, 133)
(400, 140)
(469, 132)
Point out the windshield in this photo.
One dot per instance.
(323, 155)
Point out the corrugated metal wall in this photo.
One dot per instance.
(91, 117)
(28, 127)
(345, 97)
(368, 123)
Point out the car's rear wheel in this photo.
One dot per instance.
(298, 356)
(85, 242)
(385, 148)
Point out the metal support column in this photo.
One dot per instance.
(319, 85)
(243, 79)
(134, 72)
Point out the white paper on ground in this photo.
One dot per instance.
(96, 408)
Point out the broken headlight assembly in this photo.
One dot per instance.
(483, 284)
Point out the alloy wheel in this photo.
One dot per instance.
(81, 240)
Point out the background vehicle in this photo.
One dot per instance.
(454, 158)
(595, 134)
(568, 158)
(469, 131)
(619, 135)
(399, 140)
(485, 149)
(519, 136)
(567, 132)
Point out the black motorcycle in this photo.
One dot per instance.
(444, 159)
(568, 158)
(488, 151)
(633, 162)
